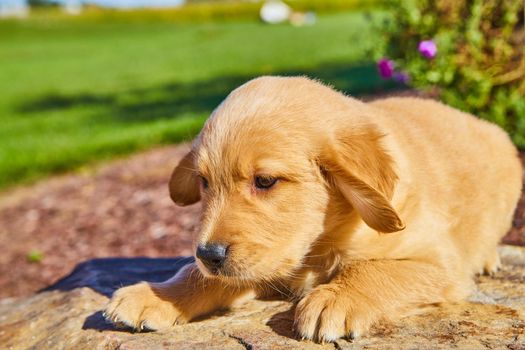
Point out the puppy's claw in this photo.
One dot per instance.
(353, 335)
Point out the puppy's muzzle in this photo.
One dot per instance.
(212, 255)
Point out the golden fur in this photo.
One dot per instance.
(380, 208)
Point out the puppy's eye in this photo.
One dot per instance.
(204, 182)
(264, 182)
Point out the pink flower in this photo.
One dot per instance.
(427, 48)
(385, 68)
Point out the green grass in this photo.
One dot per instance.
(73, 92)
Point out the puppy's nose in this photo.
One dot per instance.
(212, 255)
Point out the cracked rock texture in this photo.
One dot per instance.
(68, 316)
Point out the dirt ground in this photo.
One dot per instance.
(120, 209)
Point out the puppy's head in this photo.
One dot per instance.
(269, 163)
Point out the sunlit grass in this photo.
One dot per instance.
(75, 92)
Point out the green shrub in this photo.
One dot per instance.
(480, 62)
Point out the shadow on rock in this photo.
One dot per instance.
(282, 323)
(98, 322)
(108, 274)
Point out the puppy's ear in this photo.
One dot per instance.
(362, 171)
(184, 183)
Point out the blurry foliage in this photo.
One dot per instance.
(480, 63)
(42, 3)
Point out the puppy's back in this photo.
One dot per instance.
(466, 169)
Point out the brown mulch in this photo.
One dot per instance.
(120, 209)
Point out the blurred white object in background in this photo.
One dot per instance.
(13, 8)
(72, 7)
(275, 12)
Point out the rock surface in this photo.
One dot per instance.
(67, 316)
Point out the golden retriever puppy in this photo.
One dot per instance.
(359, 211)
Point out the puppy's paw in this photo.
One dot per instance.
(139, 307)
(327, 314)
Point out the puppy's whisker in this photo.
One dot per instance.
(274, 287)
(319, 255)
(314, 256)
(272, 282)
(326, 240)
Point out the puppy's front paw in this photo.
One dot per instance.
(327, 314)
(139, 307)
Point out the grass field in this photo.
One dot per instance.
(75, 92)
